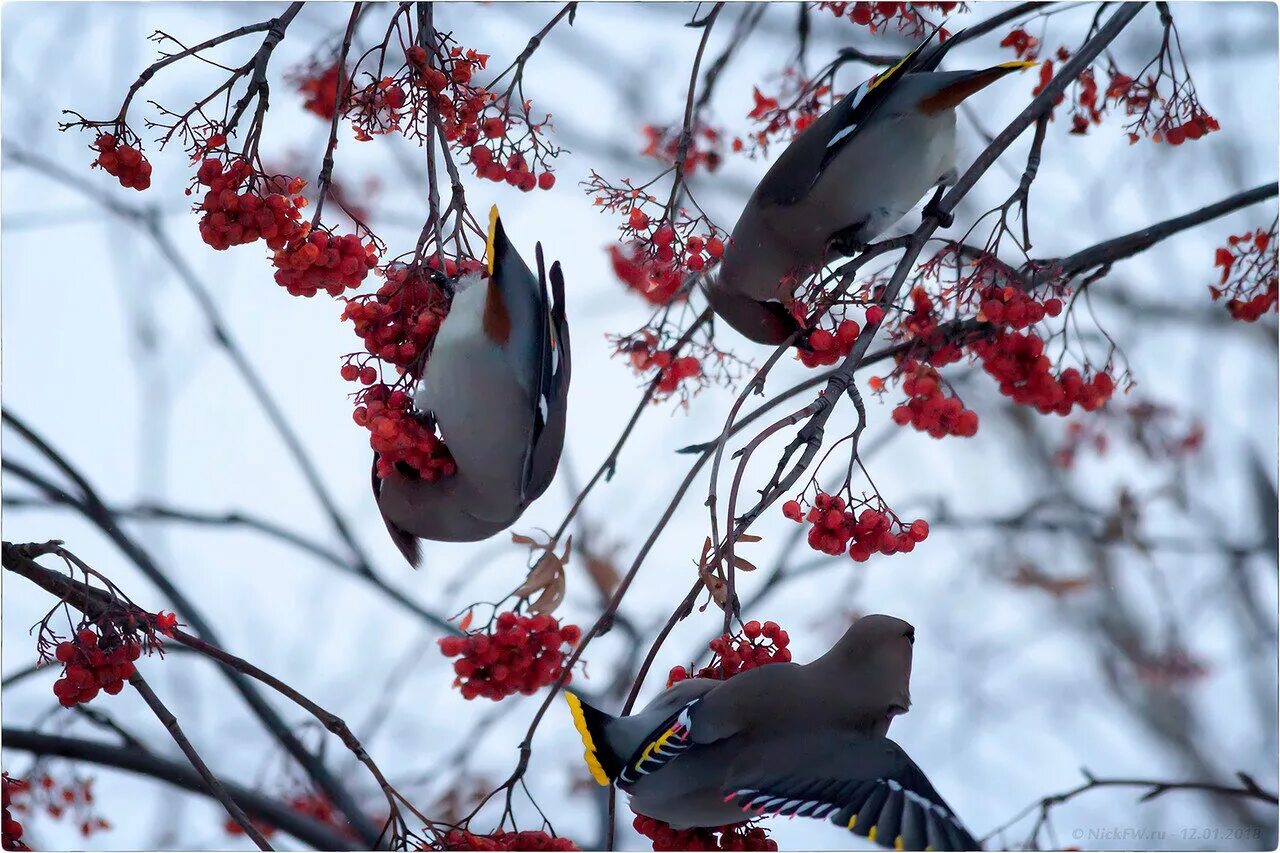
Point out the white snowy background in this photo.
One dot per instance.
(107, 356)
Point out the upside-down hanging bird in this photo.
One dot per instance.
(496, 382)
(841, 182)
(782, 739)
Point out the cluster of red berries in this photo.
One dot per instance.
(74, 800)
(516, 172)
(232, 217)
(125, 162)
(928, 408)
(802, 110)
(921, 324)
(1196, 125)
(10, 828)
(319, 86)
(89, 667)
(672, 370)
(376, 108)
(448, 80)
(399, 321)
(310, 804)
(1249, 310)
(826, 348)
(521, 655)
(657, 282)
(397, 324)
(460, 839)
(756, 645)
(703, 150)
(474, 122)
(740, 836)
(1250, 274)
(878, 16)
(1015, 308)
(322, 261)
(1025, 45)
(872, 531)
(1018, 363)
(398, 435)
(689, 251)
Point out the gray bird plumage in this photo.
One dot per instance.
(789, 739)
(496, 382)
(850, 175)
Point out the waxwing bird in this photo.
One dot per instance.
(496, 382)
(841, 182)
(782, 739)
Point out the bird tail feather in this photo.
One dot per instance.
(591, 722)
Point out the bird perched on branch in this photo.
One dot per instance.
(842, 181)
(782, 739)
(496, 382)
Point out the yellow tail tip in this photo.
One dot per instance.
(580, 723)
(493, 232)
(1018, 65)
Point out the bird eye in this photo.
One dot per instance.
(910, 634)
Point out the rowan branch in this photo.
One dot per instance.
(309, 831)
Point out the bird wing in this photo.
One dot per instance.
(803, 162)
(869, 785)
(860, 104)
(527, 338)
(667, 741)
(551, 399)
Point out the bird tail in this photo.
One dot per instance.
(961, 85)
(590, 722)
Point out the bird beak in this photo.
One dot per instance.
(896, 711)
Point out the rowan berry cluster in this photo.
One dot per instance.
(1162, 106)
(318, 83)
(74, 800)
(756, 645)
(671, 369)
(399, 435)
(311, 804)
(797, 105)
(702, 152)
(908, 17)
(739, 836)
(1025, 45)
(826, 348)
(513, 168)
(397, 325)
(874, 530)
(461, 839)
(323, 261)
(92, 663)
(1249, 274)
(655, 253)
(399, 321)
(236, 215)
(659, 283)
(522, 654)
(1017, 361)
(125, 163)
(1159, 431)
(10, 828)
(1014, 308)
(928, 407)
